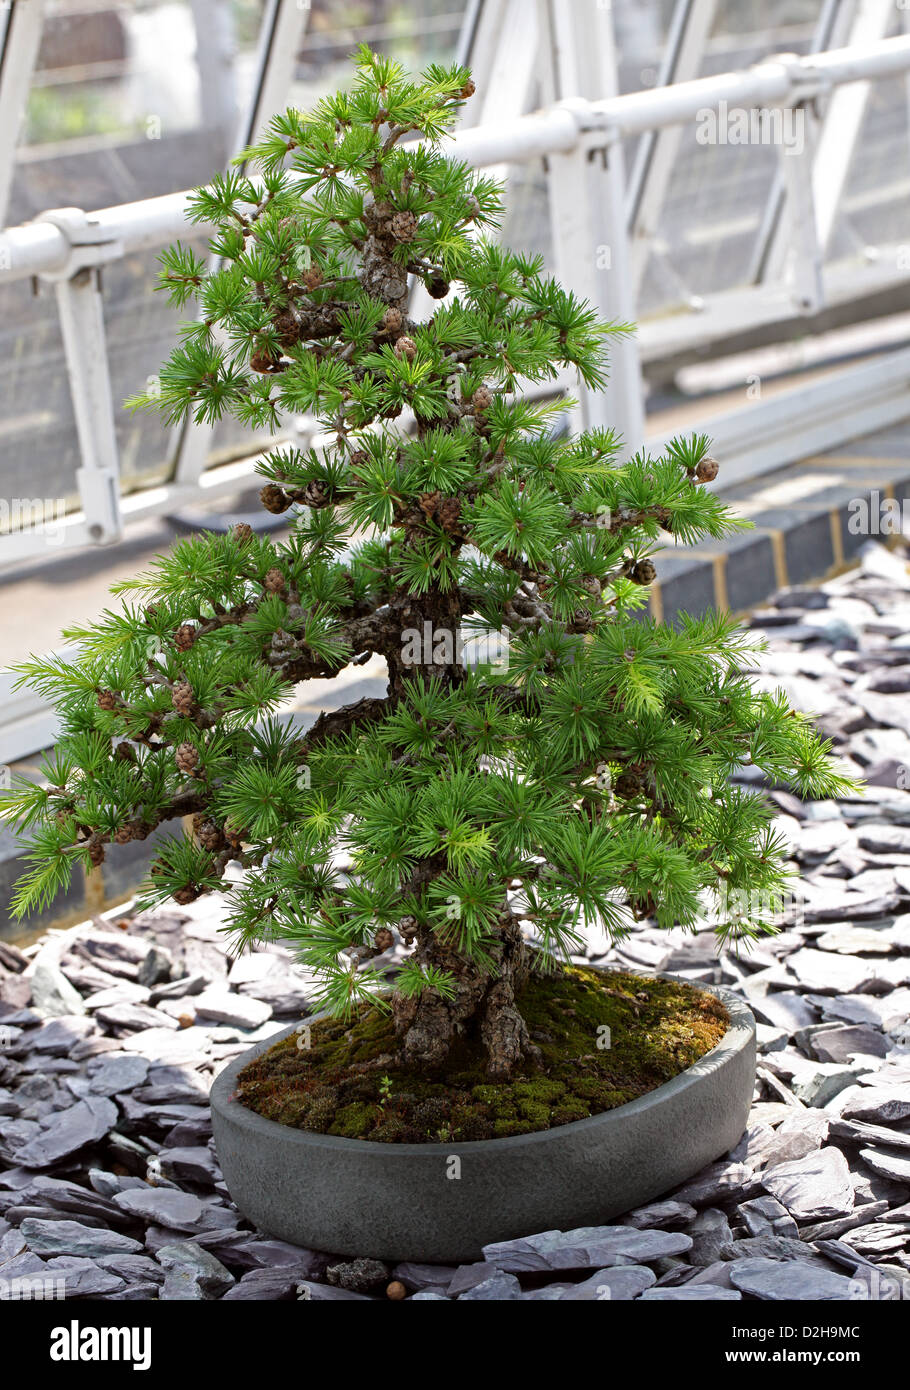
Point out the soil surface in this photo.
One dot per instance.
(606, 1038)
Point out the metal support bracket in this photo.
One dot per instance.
(80, 304)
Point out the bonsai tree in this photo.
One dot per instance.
(581, 775)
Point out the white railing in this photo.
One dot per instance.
(68, 248)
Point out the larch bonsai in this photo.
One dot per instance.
(586, 776)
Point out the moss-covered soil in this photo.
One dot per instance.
(348, 1082)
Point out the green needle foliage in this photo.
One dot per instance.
(587, 775)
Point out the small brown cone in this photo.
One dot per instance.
(274, 498)
(183, 697)
(406, 347)
(403, 226)
(186, 758)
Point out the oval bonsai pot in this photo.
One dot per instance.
(415, 1202)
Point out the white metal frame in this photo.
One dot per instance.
(213, 22)
(283, 26)
(580, 138)
(657, 149)
(834, 136)
(21, 22)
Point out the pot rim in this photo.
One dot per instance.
(740, 1032)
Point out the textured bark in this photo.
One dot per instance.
(433, 616)
(483, 1006)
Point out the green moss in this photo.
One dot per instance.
(354, 1121)
(654, 1028)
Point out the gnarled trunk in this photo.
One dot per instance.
(483, 1004)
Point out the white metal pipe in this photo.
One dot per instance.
(777, 82)
(34, 249)
(554, 131)
(148, 223)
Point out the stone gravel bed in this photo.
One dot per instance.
(111, 1034)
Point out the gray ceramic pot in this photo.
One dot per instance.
(443, 1202)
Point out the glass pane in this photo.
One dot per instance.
(114, 113)
(39, 452)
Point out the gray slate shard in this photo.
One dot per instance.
(813, 1187)
(310, 1292)
(179, 989)
(588, 1247)
(260, 1285)
(52, 993)
(83, 1123)
(118, 1071)
(83, 1278)
(498, 1288)
(74, 1198)
(134, 1268)
(239, 1010)
(619, 1284)
(247, 1250)
(769, 1247)
(165, 1205)
(75, 1238)
(107, 1184)
(184, 1164)
(784, 1009)
(825, 972)
(423, 1276)
(710, 1232)
(831, 1230)
(20, 1266)
(191, 1273)
(783, 1281)
(665, 1215)
(841, 1044)
(156, 967)
(133, 1018)
(687, 1293)
(859, 1132)
(766, 1216)
(880, 1238)
(59, 1036)
(466, 1276)
(880, 1105)
(889, 1163)
(719, 1181)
